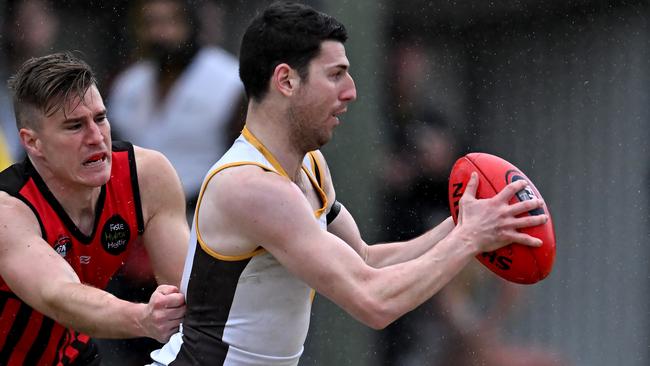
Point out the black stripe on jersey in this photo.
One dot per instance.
(65, 338)
(3, 302)
(16, 332)
(13, 178)
(210, 294)
(40, 343)
(38, 216)
(56, 206)
(126, 146)
(317, 172)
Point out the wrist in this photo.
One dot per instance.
(139, 319)
(465, 240)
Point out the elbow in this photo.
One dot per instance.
(375, 313)
(379, 324)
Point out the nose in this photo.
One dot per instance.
(349, 92)
(94, 134)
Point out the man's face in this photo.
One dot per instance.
(73, 146)
(322, 97)
(164, 25)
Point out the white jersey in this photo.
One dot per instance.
(248, 309)
(189, 125)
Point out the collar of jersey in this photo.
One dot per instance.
(248, 135)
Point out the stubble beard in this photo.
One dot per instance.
(304, 137)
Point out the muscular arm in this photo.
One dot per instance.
(253, 206)
(166, 232)
(44, 280)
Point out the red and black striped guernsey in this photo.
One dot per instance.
(27, 337)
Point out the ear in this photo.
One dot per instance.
(285, 79)
(30, 141)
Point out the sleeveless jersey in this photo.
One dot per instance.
(248, 309)
(27, 337)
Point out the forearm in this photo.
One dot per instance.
(378, 296)
(381, 255)
(95, 312)
(411, 283)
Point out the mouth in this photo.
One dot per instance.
(95, 159)
(338, 113)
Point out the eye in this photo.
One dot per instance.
(73, 126)
(337, 75)
(101, 119)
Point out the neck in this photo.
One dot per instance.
(273, 130)
(78, 201)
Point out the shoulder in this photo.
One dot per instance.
(250, 184)
(13, 178)
(252, 197)
(256, 205)
(160, 187)
(149, 162)
(15, 211)
(156, 176)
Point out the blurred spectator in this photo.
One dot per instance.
(423, 147)
(30, 29)
(416, 196)
(183, 99)
(450, 328)
(416, 175)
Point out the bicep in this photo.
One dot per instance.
(278, 216)
(322, 260)
(166, 237)
(345, 228)
(166, 232)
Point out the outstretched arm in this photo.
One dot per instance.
(252, 206)
(50, 285)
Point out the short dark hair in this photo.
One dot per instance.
(46, 83)
(285, 32)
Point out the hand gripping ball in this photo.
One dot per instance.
(515, 262)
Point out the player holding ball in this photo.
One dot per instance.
(268, 229)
